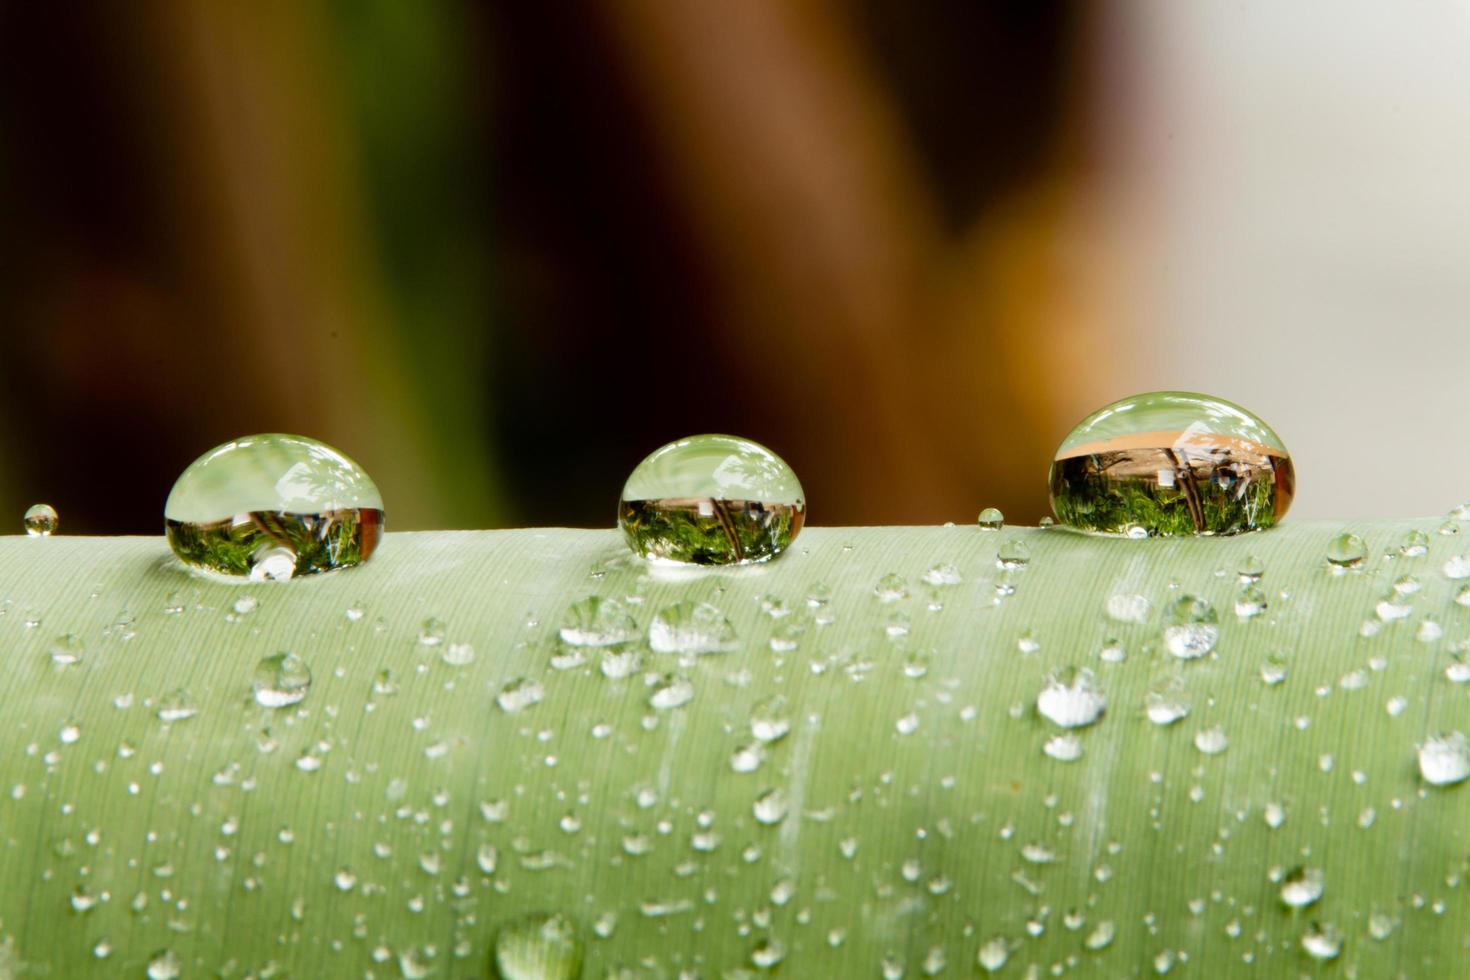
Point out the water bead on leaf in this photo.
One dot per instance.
(1171, 463)
(41, 520)
(271, 507)
(711, 500)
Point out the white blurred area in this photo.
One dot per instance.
(1298, 174)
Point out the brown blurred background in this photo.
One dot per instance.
(499, 252)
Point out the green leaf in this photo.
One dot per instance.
(874, 796)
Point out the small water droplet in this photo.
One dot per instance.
(458, 655)
(280, 680)
(994, 954)
(432, 632)
(1013, 553)
(1444, 760)
(164, 965)
(1171, 463)
(1414, 545)
(770, 718)
(942, 574)
(520, 694)
(1322, 941)
(1457, 567)
(1064, 748)
(538, 947)
(1346, 551)
(1302, 886)
(891, 588)
(691, 628)
(1166, 707)
(273, 507)
(1071, 702)
(1191, 627)
(597, 622)
(711, 500)
(1129, 607)
(67, 650)
(1250, 602)
(671, 691)
(1211, 741)
(1101, 936)
(770, 807)
(178, 706)
(991, 519)
(41, 520)
(1250, 570)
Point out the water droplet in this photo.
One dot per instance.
(671, 691)
(916, 664)
(1381, 925)
(908, 724)
(1445, 759)
(1013, 553)
(1170, 463)
(432, 632)
(1250, 570)
(1414, 545)
(691, 628)
(1302, 886)
(1073, 703)
(41, 520)
(1273, 669)
(944, 573)
(67, 650)
(272, 507)
(711, 500)
(1211, 741)
(1322, 941)
(768, 953)
(993, 954)
(1064, 748)
(891, 588)
(991, 519)
(538, 947)
(1101, 937)
(770, 807)
(1129, 608)
(1274, 815)
(770, 719)
(1457, 567)
(281, 680)
(164, 965)
(1347, 550)
(1250, 602)
(1191, 627)
(1166, 707)
(458, 654)
(597, 622)
(520, 694)
(178, 706)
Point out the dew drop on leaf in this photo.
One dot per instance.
(711, 500)
(41, 520)
(273, 507)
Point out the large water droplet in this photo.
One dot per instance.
(1445, 759)
(273, 507)
(991, 519)
(993, 954)
(281, 680)
(597, 622)
(1169, 463)
(1071, 704)
(711, 500)
(690, 627)
(539, 947)
(41, 520)
(1191, 627)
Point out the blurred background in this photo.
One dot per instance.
(498, 253)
